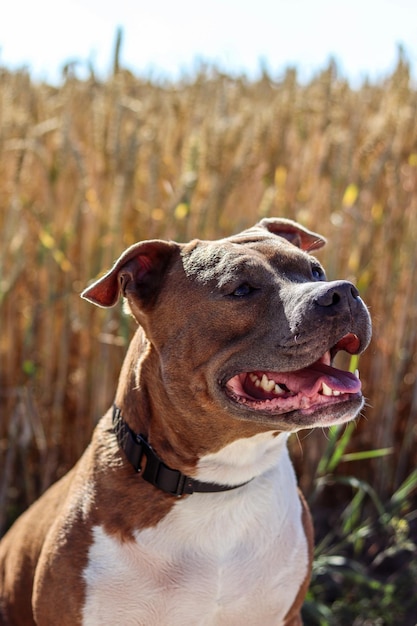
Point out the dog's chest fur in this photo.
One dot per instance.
(216, 559)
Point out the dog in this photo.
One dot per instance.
(184, 509)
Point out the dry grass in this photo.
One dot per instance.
(89, 168)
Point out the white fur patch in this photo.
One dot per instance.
(220, 559)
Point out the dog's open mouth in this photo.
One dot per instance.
(303, 390)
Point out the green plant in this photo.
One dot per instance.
(364, 570)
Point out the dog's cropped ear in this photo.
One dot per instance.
(138, 272)
(293, 232)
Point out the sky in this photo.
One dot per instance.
(168, 38)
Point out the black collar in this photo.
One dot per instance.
(156, 472)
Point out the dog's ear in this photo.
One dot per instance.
(293, 232)
(138, 272)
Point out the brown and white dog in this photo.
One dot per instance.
(184, 509)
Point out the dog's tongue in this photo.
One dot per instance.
(309, 380)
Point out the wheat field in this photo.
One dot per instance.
(90, 167)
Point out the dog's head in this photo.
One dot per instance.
(246, 326)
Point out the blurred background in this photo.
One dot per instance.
(132, 122)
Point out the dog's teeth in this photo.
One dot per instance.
(267, 384)
(326, 391)
(256, 381)
(264, 382)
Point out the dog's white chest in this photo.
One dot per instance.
(222, 559)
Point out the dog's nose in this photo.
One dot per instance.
(336, 294)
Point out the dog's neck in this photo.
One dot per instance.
(146, 462)
(243, 459)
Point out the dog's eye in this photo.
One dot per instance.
(243, 290)
(318, 273)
